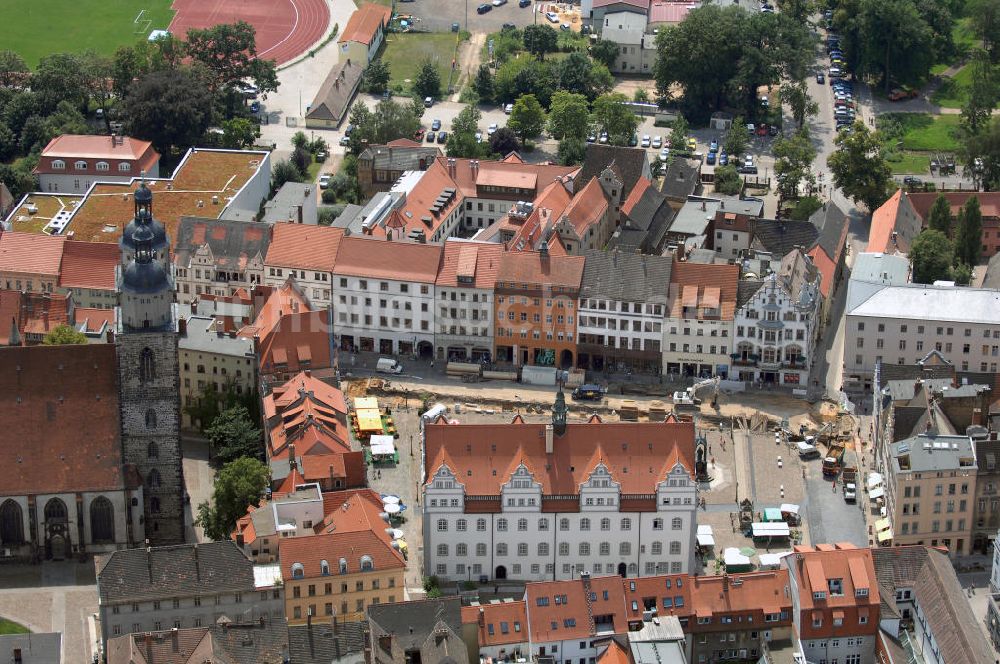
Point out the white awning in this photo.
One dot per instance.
(706, 540)
(773, 559)
(874, 480)
(789, 508)
(877, 492)
(382, 445)
(732, 556)
(771, 529)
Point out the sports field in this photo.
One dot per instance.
(35, 28)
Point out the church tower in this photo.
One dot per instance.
(148, 371)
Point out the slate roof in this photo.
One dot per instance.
(648, 217)
(682, 179)
(926, 371)
(319, 644)
(223, 642)
(992, 277)
(166, 572)
(831, 222)
(46, 647)
(59, 414)
(745, 290)
(412, 622)
(628, 163)
(401, 155)
(336, 92)
(781, 236)
(232, 243)
(621, 276)
(944, 606)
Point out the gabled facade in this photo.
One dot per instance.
(217, 256)
(464, 306)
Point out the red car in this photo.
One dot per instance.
(902, 94)
(418, 135)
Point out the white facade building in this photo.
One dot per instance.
(496, 507)
(465, 285)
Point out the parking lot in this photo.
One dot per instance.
(438, 15)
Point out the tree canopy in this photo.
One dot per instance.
(859, 168)
(527, 119)
(940, 218)
(228, 52)
(568, 115)
(610, 114)
(793, 157)
(63, 335)
(931, 255)
(540, 39)
(389, 120)
(233, 435)
(171, 108)
(238, 485)
(428, 81)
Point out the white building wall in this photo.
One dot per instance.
(617, 322)
(407, 307)
(473, 312)
(314, 285)
(256, 189)
(793, 329)
(704, 343)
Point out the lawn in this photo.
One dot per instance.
(961, 34)
(909, 163)
(406, 52)
(35, 29)
(11, 627)
(924, 132)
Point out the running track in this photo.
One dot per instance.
(285, 28)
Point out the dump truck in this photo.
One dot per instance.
(833, 460)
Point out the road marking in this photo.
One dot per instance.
(290, 32)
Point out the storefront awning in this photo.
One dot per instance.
(882, 524)
(885, 536)
(877, 492)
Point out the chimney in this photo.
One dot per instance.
(298, 212)
(548, 438)
(197, 567)
(703, 206)
(175, 639)
(725, 582)
(331, 475)
(482, 616)
(309, 620)
(182, 326)
(292, 464)
(543, 250)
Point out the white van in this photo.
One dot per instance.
(434, 412)
(807, 450)
(389, 366)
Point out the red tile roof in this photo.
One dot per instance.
(498, 624)
(83, 146)
(658, 589)
(31, 253)
(637, 454)
(475, 262)
(855, 569)
(41, 312)
(308, 413)
(381, 259)
(641, 185)
(989, 202)
(291, 337)
(59, 414)
(587, 207)
(826, 268)
(365, 22)
(757, 592)
(883, 224)
(568, 619)
(310, 550)
(95, 319)
(530, 267)
(304, 246)
(701, 287)
(89, 265)
(615, 653)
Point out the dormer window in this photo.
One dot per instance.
(298, 571)
(324, 568)
(863, 592)
(80, 165)
(366, 564)
(102, 166)
(819, 595)
(836, 586)
(343, 565)
(124, 167)
(58, 164)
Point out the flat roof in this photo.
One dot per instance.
(202, 337)
(47, 207)
(939, 303)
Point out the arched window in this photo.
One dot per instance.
(563, 524)
(154, 478)
(626, 524)
(154, 505)
(147, 365)
(657, 524)
(55, 511)
(543, 548)
(150, 418)
(543, 524)
(522, 525)
(124, 167)
(461, 549)
(585, 524)
(102, 166)
(80, 165)
(102, 520)
(324, 568)
(584, 548)
(563, 548)
(58, 164)
(676, 523)
(153, 450)
(502, 525)
(366, 564)
(11, 523)
(298, 571)
(343, 565)
(633, 569)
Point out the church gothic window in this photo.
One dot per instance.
(55, 511)
(102, 520)
(154, 505)
(153, 450)
(150, 418)
(11, 523)
(154, 478)
(147, 366)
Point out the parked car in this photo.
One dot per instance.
(508, 26)
(645, 141)
(435, 125)
(604, 137)
(692, 145)
(498, 3)
(820, 78)
(723, 159)
(664, 154)
(902, 94)
(713, 147)
(591, 137)
(492, 129)
(428, 102)
(455, 27)
(633, 140)
(348, 130)
(479, 137)
(254, 107)
(418, 135)
(508, 109)
(748, 161)
(482, 9)
(524, 3)
(320, 157)
(345, 141)
(552, 17)
(431, 136)
(657, 142)
(710, 159)
(911, 181)
(324, 181)
(443, 137)
(564, 27)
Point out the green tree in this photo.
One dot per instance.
(796, 95)
(170, 108)
(679, 134)
(728, 180)
(388, 121)
(19, 179)
(793, 157)
(859, 168)
(300, 141)
(64, 335)
(60, 77)
(428, 81)
(239, 133)
(13, 69)
(610, 114)
(961, 274)
(8, 143)
(238, 485)
(540, 39)
(233, 435)
(503, 142)
(800, 10)
(736, 141)
(604, 51)
(572, 150)
(984, 16)
(894, 41)
(804, 208)
(568, 115)
(462, 139)
(984, 92)
(969, 233)
(284, 171)
(527, 119)
(483, 84)
(940, 218)
(931, 255)
(376, 77)
(229, 52)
